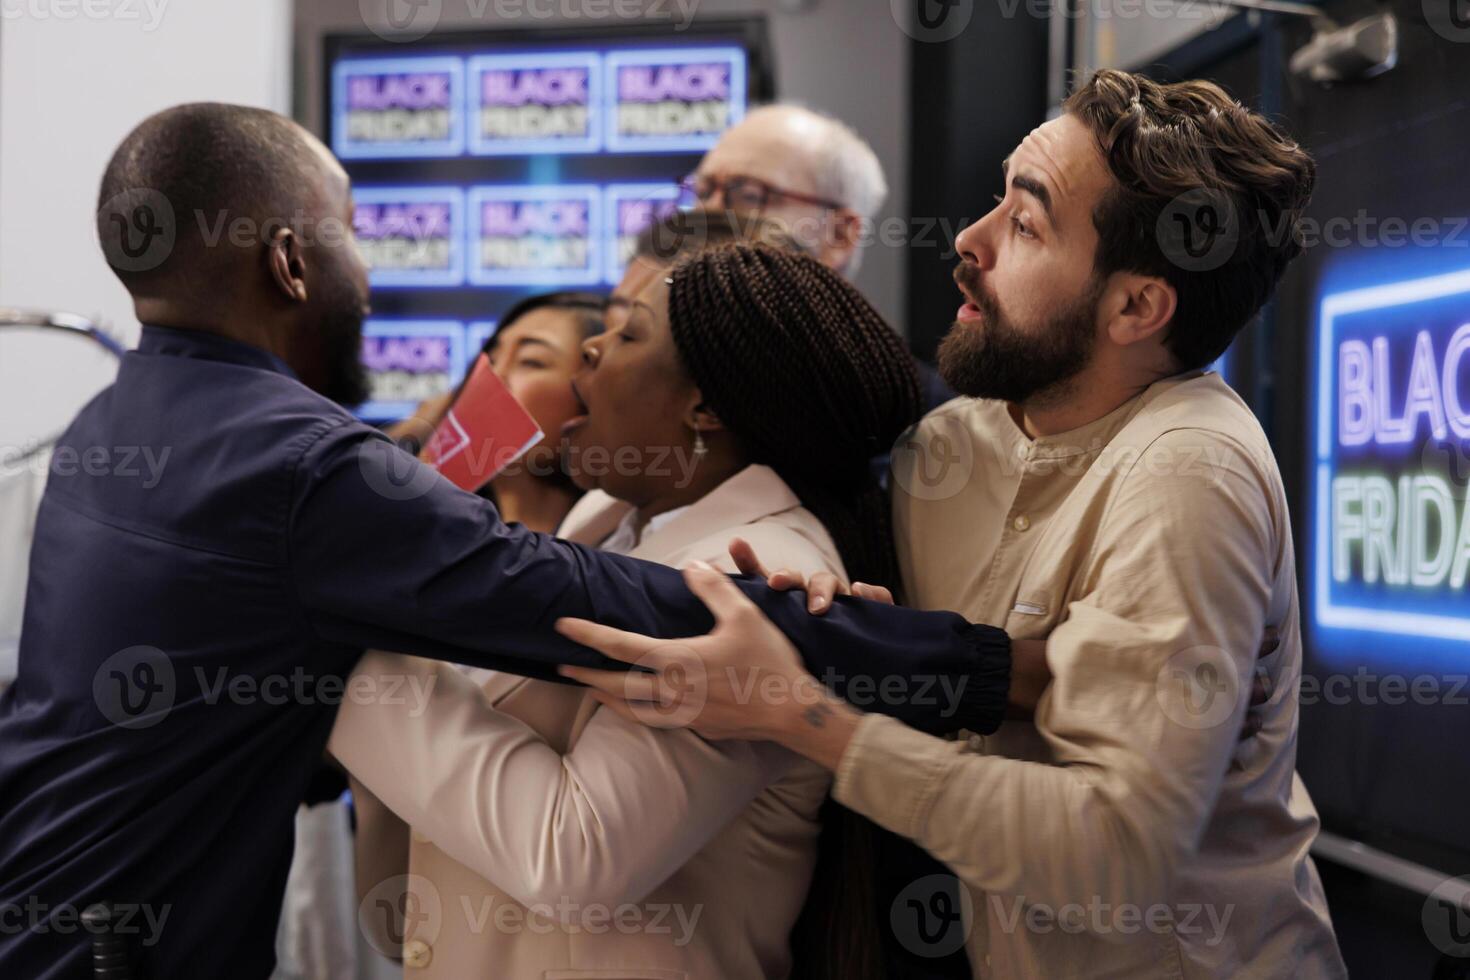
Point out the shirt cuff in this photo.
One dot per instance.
(891, 774)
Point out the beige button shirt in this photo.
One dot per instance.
(1117, 837)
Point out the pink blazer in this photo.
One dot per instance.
(551, 839)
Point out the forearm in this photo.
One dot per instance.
(1030, 676)
(1114, 817)
(822, 730)
(1000, 824)
(1054, 834)
(480, 784)
(603, 823)
(935, 671)
(430, 570)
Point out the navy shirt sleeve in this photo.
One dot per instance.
(387, 553)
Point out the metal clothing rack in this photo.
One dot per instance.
(14, 464)
(68, 323)
(71, 323)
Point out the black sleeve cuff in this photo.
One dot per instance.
(982, 702)
(934, 671)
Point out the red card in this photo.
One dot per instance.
(485, 431)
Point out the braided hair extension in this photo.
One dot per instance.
(813, 383)
(806, 374)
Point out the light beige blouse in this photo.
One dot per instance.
(553, 839)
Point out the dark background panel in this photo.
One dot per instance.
(1395, 777)
(1395, 147)
(974, 98)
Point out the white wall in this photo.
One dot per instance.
(75, 77)
(845, 57)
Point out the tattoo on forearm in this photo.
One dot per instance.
(817, 715)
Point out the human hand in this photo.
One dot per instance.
(742, 680)
(820, 589)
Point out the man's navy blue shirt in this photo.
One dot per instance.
(215, 547)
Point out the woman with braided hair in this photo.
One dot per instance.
(794, 369)
(740, 395)
(717, 300)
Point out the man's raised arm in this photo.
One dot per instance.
(431, 570)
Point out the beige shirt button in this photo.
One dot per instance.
(976, 742)
(417, 954)
(1021, 523)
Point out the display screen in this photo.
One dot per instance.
(488, 166)
(410, 361)
(1373, 388)
(411, 236)
(1391, 539)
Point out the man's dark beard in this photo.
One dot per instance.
(345, 379)
(994, 358)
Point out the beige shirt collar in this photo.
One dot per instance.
(753, 493)
(1085, 439)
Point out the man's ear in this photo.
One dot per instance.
(842, 238)
(1141, 307)
(288, 268)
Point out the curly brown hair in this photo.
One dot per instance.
(1178, 153)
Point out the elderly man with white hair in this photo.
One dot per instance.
(812, 173)
(805, 169)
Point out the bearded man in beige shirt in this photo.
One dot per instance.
(1098, 492)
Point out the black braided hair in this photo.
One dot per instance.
(807, 376)
(811, 381)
